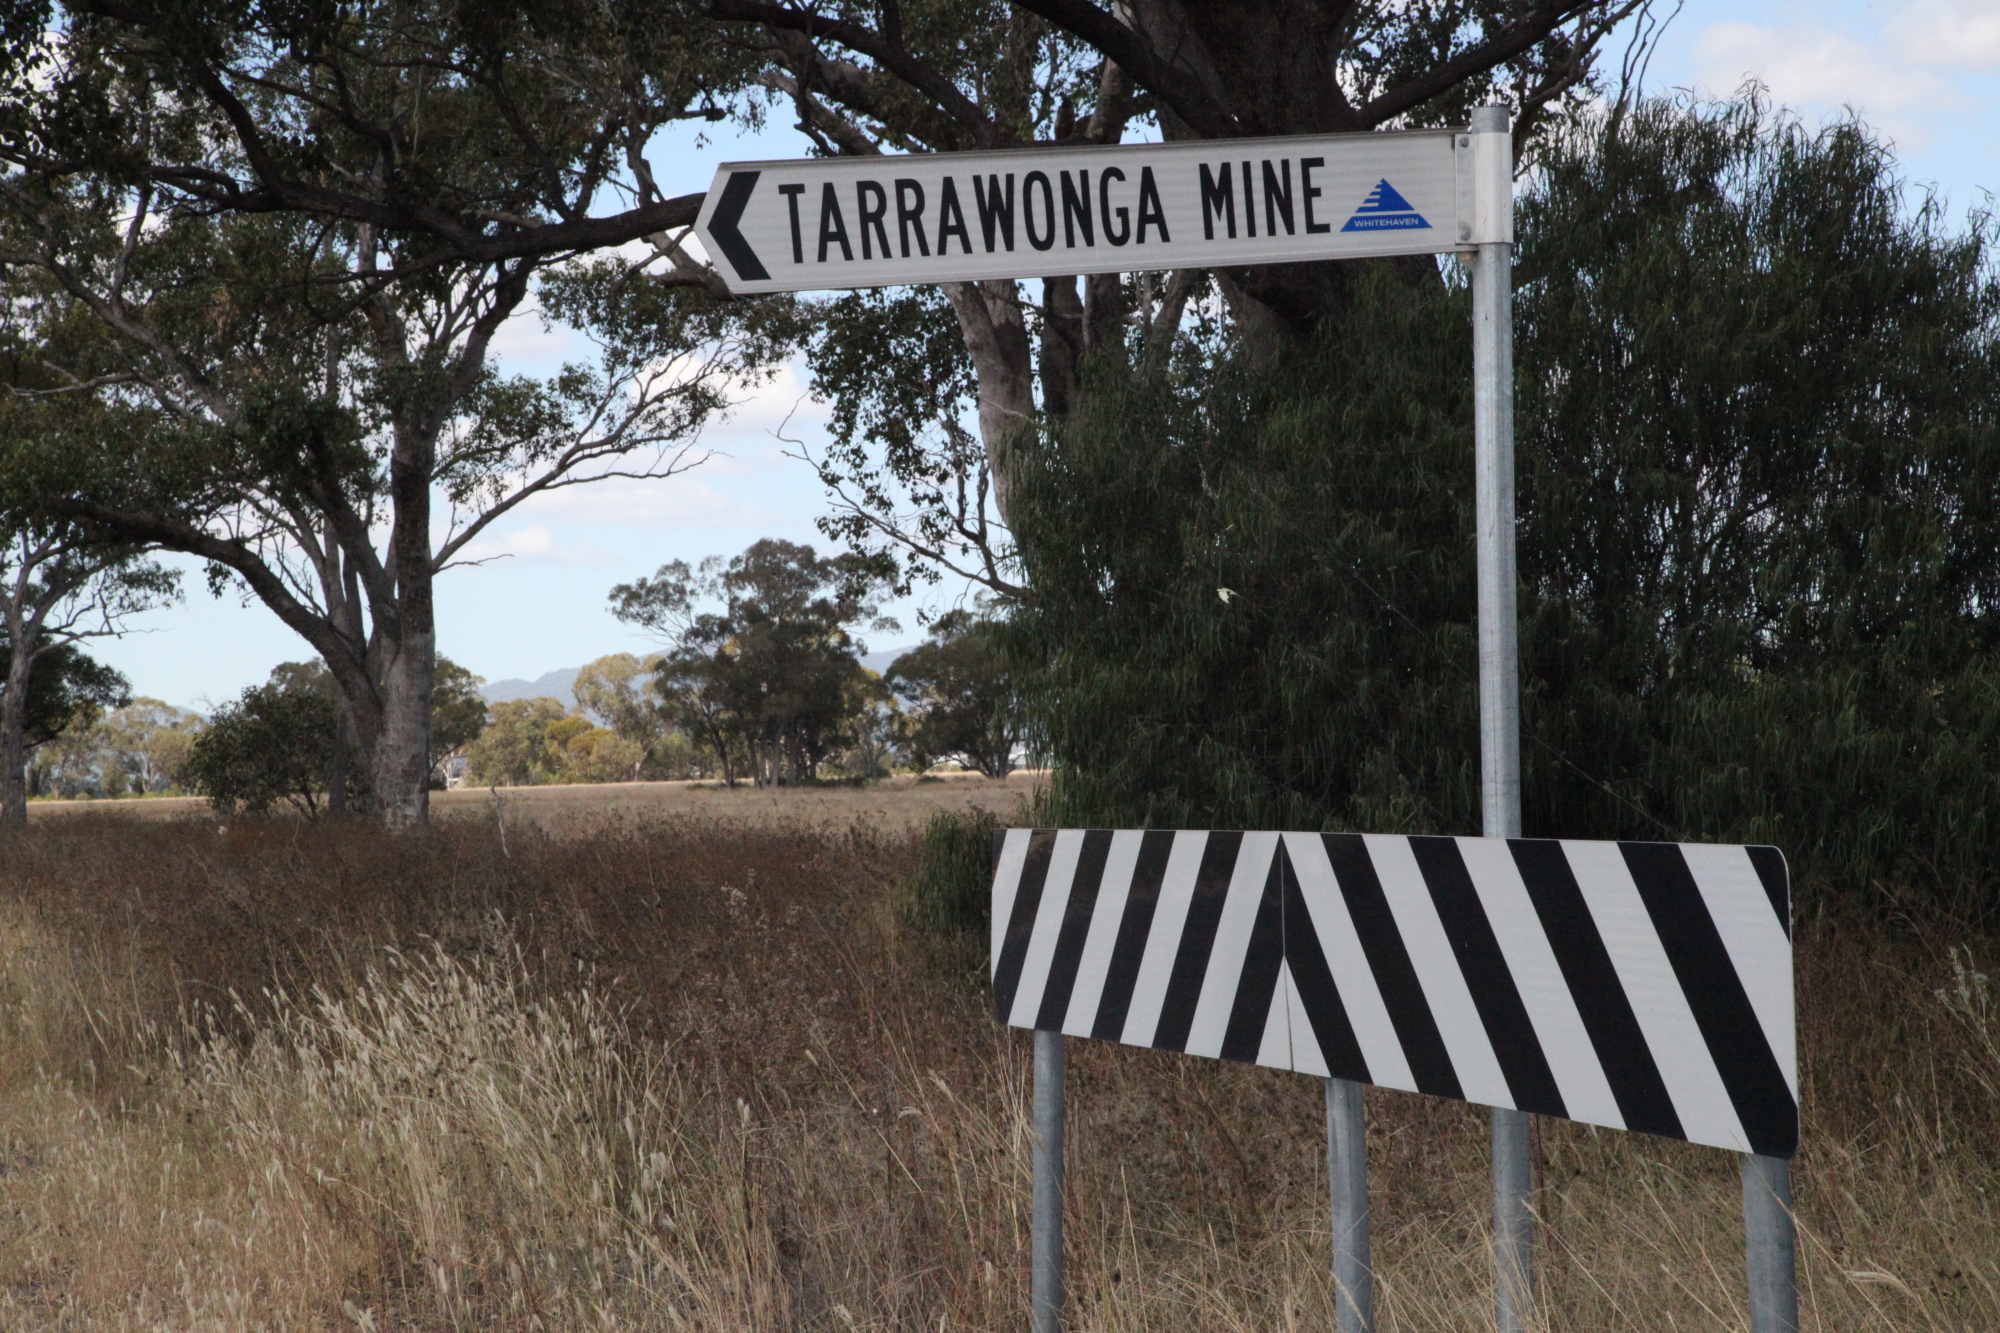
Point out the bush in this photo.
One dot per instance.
(274, 745)
(1759, 533)
(949, 894)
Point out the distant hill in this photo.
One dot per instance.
(880, 661)
(560, 684)
(553, 685)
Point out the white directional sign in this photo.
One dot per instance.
(1033, 212)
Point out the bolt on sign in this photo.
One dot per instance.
(1639, 986)
(1028, 213)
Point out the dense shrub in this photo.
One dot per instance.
(275, 745)
(1760, 531)
(949, 894)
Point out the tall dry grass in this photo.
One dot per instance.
(693, 1077)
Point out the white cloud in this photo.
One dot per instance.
(1814, 68)
(679, 502)
(534, 544)
(1819, 67)
(781, 409)
(1961, 33)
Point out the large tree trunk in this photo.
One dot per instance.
(399, 777)
(996, 337)
(13, 748)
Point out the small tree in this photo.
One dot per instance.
(513, 749)
(615, 691)
(961, 697)
(773, 667)
(147, 742)
(274, 744)
(458, 714)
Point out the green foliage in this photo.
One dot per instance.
(892, 364)
(1762, 497)
(1760, 490)
(140, 749)
(949, 895)
(273, 745)
(458, 711)
(961, 695)
(1253, 589)
(513, 749)
(67, 689)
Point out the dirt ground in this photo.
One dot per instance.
(900, 802)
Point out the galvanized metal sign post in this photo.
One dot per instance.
(1035, 212)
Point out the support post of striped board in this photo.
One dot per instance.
(1045, 1283)
(1768, 1244)
(1637, 986)
(1347, 1190)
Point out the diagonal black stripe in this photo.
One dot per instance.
(1318, 996)
(1715, 993)
(1021, 922)
(1259, 978)
(1211, 890)
(1389, 960)
(1601, 1002)
(1777, 882)
(1508, 1028)
(1075, 929)
(1130, 949)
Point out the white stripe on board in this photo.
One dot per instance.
(1232, 942)
(1105, 919)
(1566, 1043)
(1307, 1057)
(1458, 1021)
(1006, 883)
(1352, 977)
(1048, 928)
(1757, 944)
(1275, 1050)
(1679, 1052)
(1163, 941)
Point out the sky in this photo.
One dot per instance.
(1924, 73)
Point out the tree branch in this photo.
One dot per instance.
(1175, 86)
(888, 54)
(1510, 42)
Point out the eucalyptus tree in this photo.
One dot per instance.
(293, 232)
(906, 472)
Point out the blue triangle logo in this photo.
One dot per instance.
(1385, 210)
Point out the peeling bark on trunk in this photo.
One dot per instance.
(13, 747)
(996, 337)
(1062, 344)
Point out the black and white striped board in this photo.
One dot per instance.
(1636, 985)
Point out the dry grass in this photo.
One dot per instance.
(899, 802)
(689, 1075)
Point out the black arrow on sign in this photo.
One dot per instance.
(722, 227)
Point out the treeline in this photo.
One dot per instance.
(760, 681)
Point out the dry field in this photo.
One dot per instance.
(900, 803)
(692, 1074)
